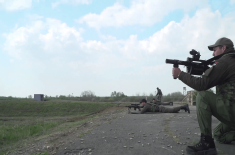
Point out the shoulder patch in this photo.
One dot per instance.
(214, 63)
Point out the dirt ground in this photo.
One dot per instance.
(149, 133)
(56, 139)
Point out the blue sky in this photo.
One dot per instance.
(60, 47)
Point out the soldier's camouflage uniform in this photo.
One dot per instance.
(163, 103)
(151, 107)
(222, 104)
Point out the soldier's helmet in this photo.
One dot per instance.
(143, 100)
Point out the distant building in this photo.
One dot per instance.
(189, 98)
(39, 97)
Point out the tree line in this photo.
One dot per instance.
(115, 96)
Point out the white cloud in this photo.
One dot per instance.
(204, 28)
(140, 12)
(150, 70)
(58, 36)
(232, 1)
(73, 2)
(51, 45)
(57, 40)
(14, 5)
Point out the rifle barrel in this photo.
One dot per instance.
(179, 62)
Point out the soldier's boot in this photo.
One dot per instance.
(186, 108)
(206, 146)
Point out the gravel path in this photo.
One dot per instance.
(152, 133)
(114, 132)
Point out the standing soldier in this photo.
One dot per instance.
(221, 105)
(159, 94)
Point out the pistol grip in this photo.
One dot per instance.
(175, 66)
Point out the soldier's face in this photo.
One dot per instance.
(217, 50)
(143, 103)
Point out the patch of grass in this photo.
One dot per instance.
(12, 134)
(109, 122)
(13, 108)
(22, 119)
(65, 126)
(84, 133)
(194, 142)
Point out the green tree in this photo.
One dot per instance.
(117, 94)
(87, 93)
(151, 94)
(62, 97)
(175, 96)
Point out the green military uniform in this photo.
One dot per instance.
(222, 104)
(165, 103)
(151, 107)
(162, 103)
(159, 95)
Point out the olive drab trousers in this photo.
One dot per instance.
(169, 109)
(159, 98)
(209, 104)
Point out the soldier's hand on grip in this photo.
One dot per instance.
(176, 72)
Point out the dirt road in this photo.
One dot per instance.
(145, 134)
